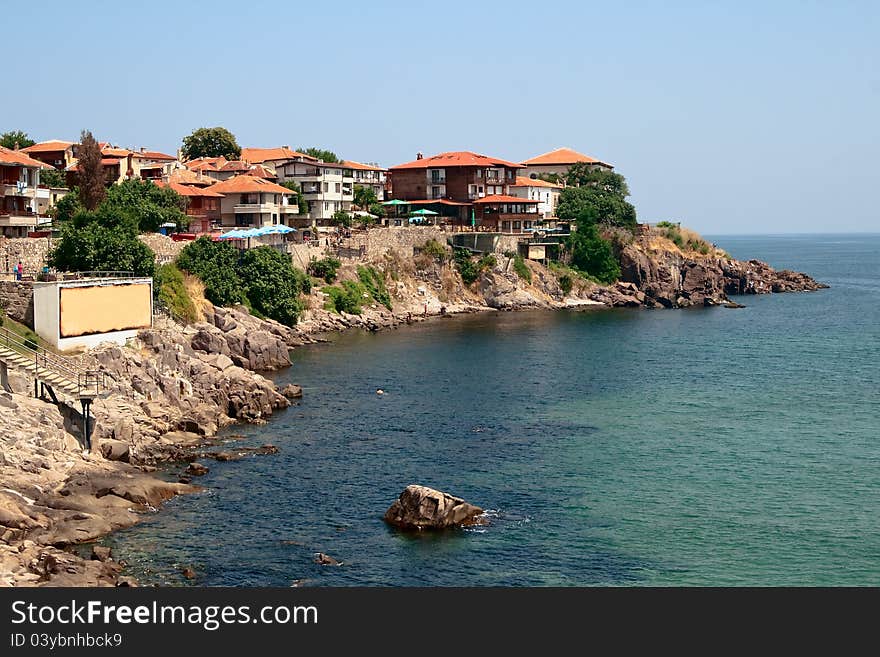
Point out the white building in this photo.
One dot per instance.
(23, 201)
(369, 175)
(546, 193)
(250, 202)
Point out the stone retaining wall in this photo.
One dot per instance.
(32, 252)
(376, 242)
(17, 298)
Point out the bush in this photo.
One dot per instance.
(593, 255)
(521, 269)
(488, 261)
(216, 264)
(272, 285)
(172, 293)
(341, 218)
(374, 284)
(31, 341)
(324, 268)
(89, 245)
(565, 283)
(436, 250)
(345, 299)
(466, 266)
(509, 254)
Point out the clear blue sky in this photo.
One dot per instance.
(732, 117)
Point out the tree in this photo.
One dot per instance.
(88, 245)
(89, 172)
(596, 196)
(582, 174)
(216, 264)
(591, 254)
(364, 197)
(297, 195)
(16, 137)
(210, 142)
(146, 204)
(53, 178)
(341, 218)
(320, 154)
(273, 285)
(324, 268)
(68, 206)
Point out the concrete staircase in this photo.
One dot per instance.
(60, 382)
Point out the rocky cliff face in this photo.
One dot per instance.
(673, 279)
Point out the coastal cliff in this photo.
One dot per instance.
(174, 387)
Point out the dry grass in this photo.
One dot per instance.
(196, 291)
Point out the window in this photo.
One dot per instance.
(274, 219)
(326, 187)
(435, 192)
(480, 189)
(326, 205)
(527, 224)
(479, 173)
(338, 187)
(516, 225)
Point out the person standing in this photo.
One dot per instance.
(18, 271)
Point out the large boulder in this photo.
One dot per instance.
(420, 507)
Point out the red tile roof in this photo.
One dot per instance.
(115, 152)
(259, 171)
(245, 184)
(9, 156)
(189, 190)
(235, 165)
(187, 177)
(260, 155)
(351, 164)
(501, 198)
(205, 163)
(48, 146)
(562, 156)
(522, 181)
(443, 201)
(154, 155)
(457, 159)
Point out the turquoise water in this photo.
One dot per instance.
(628, 447)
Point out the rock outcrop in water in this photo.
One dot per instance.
(420, 507)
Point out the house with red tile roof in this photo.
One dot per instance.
(251, 202)
(558, 162)
(22, 200)
(535, 189)
(466, 189)
(369, 175)
(202, 205)
(56, 153)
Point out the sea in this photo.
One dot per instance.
(629, 447)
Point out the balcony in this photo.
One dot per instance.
(255, 208)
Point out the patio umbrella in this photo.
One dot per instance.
(395, 201)
(424, 213)
(281, 229)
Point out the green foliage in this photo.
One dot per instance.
(320, 154)
(374, 283)
(87, 244)
(436, 250)
(31, 342)
(172, 293)
(509, 254)
(549, 177)
(364, 197)
(666, 224)
(11, 138)
(145, 204)
(521, 269)
(68, 206)
(566, 282)
(488, 261)
(377, 209)
(685, 240)
(53, 178)
(273, 285)
(467, 267)
(341, 218)
(216, 264)
(324, 268)
(364, 220)
(89, 172)
(345, 299)
(210, 142)
(596, 196)
(593, 255)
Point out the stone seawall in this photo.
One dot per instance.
(17, 300)
(32, 252)
(377, 242)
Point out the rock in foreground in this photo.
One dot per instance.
(420, 507)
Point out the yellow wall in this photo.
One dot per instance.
(100, 309)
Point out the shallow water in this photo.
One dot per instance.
(626, 447)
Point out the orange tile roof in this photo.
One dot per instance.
(362, 167)
(9, 156)
(188, 190)
(245, 184)
(115, 152)
(154, 155)
(187, 177)
(456, 159)
(522, 181)
(562, 156)
(501, 198)
(235, 165)
(259, 171)
(48, 146)
(260, 155)
(203, 163)
(442, 201)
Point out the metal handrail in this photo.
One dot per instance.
(84, 379)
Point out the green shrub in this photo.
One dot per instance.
(324, 268)
(666, 224)
(435, 249)
(31, 341)
(521, 269)
(509, 254)
(467, 268)
(488, 261)
(272, 285)
(216, 265)
(346, 298)
(565, 283)
(172, 293)
(593, 255)
(374, 284)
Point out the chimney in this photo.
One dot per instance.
(143, 149)
(286, 147)
(419, 155)
(15, 146)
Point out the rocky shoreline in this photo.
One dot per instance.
(176, 387)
